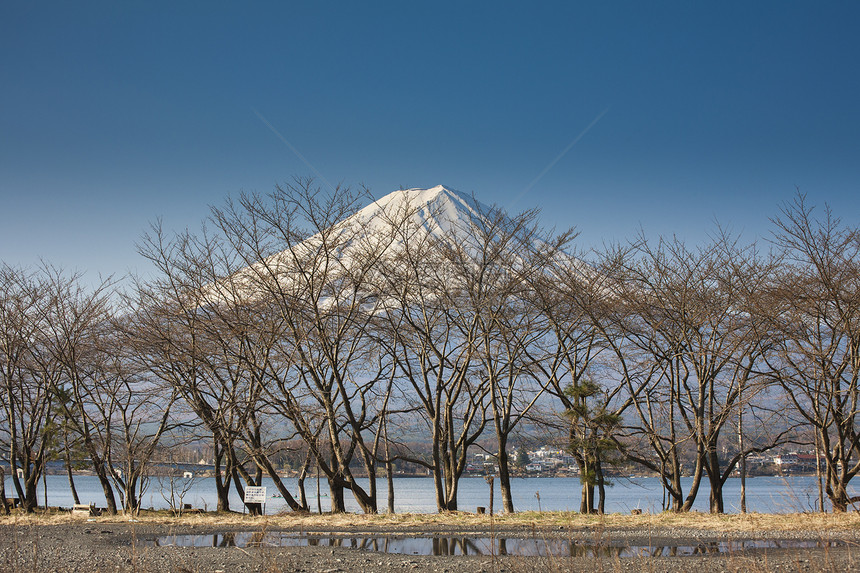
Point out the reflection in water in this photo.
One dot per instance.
(465, 545)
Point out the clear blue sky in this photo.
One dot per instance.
(115, 113)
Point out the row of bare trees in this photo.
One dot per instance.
(69, 385)
(298, 318)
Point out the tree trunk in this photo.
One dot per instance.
(716, 495)
(3, 503)
(31, 502)
(222, 481)
(71, 477)
(586, 502)
(107, 488)
(132, 504)
(303, 496)
(818, 474)
(13, 469)
(697, 480)
(836, 490)
(389, 470)
(586, 496)
(367, 502)
(743, 460)
(319, 494)
(279, 484)
(337, 500)
(439, 473)
(102, 472)
(601, 487)
(303, 473)
(389, 477)
(505, 479)
(27, 491)
(451, 484)
(716, 483)
(438, 480)
(67, 458)
(253, 508)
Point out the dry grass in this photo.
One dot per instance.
(727, 523)
(25, 552)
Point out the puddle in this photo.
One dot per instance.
(466, 545)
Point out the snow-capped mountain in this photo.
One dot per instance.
(440, 210)
(435, 215)
(434, 222)
(427, 224)
(438, 214)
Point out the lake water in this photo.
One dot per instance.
(415, 495)
(477, 545)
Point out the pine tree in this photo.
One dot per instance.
(591, 440)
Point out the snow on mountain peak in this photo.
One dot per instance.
(387, 226)
(439, 208)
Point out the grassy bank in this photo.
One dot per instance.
(727, 523)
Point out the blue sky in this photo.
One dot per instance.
(115, 113)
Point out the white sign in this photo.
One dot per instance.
(255, 494)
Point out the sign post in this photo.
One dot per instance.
(256, 494)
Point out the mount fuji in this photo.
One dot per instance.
(440, 210)
(438, 219)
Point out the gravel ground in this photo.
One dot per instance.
(92, 546)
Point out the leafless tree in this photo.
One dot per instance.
(814, 316)
(140, 414)
(578, 300)
(27, 376)
(431, 346)
(246, 334)
(174, 344)
(79, 341)
(495, 259)
(688, 352)
(312, 268)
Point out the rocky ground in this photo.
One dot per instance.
(88, 546)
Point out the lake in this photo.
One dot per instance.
(415, 495)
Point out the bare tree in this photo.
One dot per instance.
(432, 348)
(174, 344)
(247, 336)
(693, 348)
(578, 301)
(27, 376)
(814, 316)
(140, 412)
(494, 260)
(312, 265)
(78, 339)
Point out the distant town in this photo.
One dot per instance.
(546, 461)
(549, 461)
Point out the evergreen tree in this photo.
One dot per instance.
(591, 440)
(521, 458)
